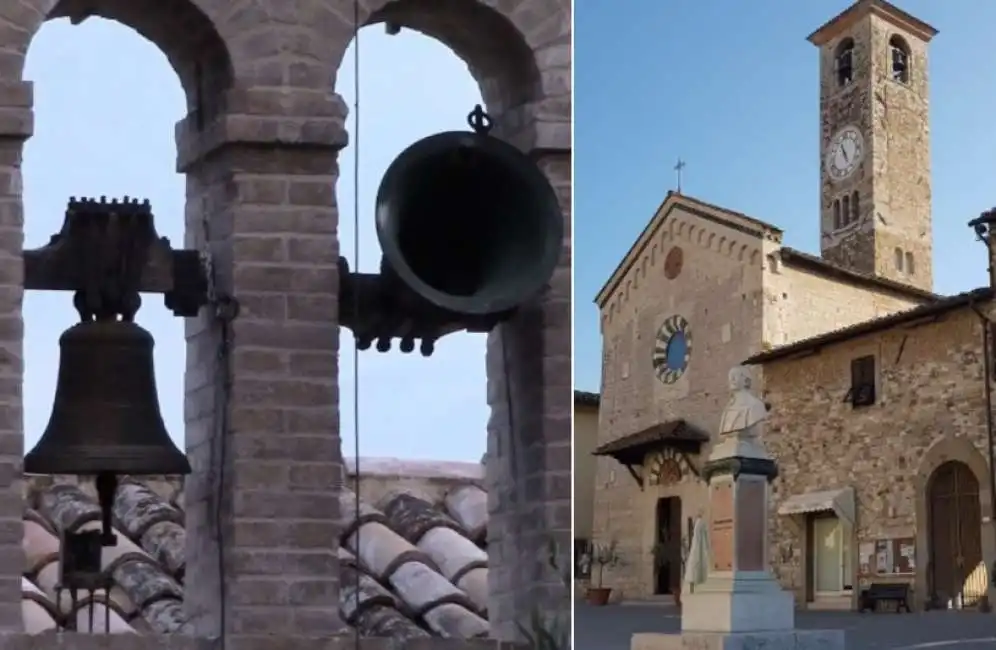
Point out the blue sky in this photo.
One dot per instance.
(106, 101)
(732, 88)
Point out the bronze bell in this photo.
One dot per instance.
(469, 223)
(106, 417)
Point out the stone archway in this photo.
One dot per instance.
(519, 54)
(259, 148)
(945, 450)
(185, 32)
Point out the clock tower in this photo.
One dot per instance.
(875, 212)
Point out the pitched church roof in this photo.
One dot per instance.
(701, 209)
(761, 229)
(885, 10)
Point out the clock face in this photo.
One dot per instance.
(672, 349)
(844, 153)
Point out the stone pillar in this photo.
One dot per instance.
(528, 470)
(262, 419)
(16, 125)
(740, 594)
(740, 605)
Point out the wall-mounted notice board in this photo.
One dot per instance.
(890, 556)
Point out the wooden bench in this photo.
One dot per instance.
(884, 592)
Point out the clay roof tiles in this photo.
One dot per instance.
(413, 562)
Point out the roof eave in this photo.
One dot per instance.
(885, 10)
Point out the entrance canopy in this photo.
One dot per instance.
(631, 450)
(840, 502)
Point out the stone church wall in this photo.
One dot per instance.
(930, 407)
(718, 291)
(800, 304)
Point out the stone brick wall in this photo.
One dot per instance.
(893, 181)
(800, 304)
(930, 408)
(719, 292)
(259, 149)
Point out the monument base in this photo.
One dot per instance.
(785, 640)
(738, 611)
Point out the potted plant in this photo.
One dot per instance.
(604, 555)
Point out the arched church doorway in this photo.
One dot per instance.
(955, 529)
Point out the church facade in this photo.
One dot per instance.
(704, 288)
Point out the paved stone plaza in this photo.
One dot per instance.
(610, 628)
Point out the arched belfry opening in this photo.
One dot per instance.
(100, 146)
(528, 442)
(255, 542)
(415, 385)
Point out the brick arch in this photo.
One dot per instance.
(181, 29)
(943, 450)
(499, 46)
(518, 52)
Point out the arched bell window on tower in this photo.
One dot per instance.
(845, 210)
(837, 221)
(899, 52)
(855, 206)
(843, 62)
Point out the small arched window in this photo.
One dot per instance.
(837, 223)
(909, 263)
(899, 259)
(899, 52)
(843, 62)
(845, 210)
(855, 206)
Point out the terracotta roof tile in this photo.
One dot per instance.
(413, 566)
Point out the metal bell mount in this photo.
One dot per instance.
(470, 229)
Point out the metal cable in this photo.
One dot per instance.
(218, 448)
(356, 261)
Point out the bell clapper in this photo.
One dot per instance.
(107, 486)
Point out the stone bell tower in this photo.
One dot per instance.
(875, 207)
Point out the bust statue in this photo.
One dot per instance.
(744, 413)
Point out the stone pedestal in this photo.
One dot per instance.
(740, 605)
(789, 640)
(740, 594)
